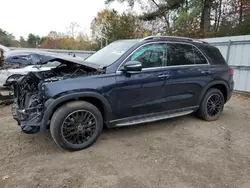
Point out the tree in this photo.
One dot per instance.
(72, 29)
(196, 18)
(158, 9)
(23, 42)
(51, 41)
(33, 40)
(8, 39)
(109, 26)
(105, 24)
(83, 42)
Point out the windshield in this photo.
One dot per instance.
(109, 54)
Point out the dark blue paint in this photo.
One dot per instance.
(142, 92)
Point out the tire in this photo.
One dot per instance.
(203, 111)
(64, 122)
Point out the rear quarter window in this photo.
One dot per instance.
(214, 54)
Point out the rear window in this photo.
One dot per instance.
(214, 54)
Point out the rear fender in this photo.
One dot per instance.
(211, 84)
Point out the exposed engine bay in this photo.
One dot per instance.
(26, 88)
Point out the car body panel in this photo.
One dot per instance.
(52, 104)
(187, 83)
(36, 57)
(132, 95)
(102, 84)
(141, 93)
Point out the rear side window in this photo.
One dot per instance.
(184, 54)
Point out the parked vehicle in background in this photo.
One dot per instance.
(4, 48)
(17, 63)
(128, 82)
(20, 62)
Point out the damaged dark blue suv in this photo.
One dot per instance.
(128, 82)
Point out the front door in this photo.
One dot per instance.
(145, 91)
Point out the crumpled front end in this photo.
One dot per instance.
(31, 95)
(28, 108)
(29, 120)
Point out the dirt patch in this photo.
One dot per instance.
(182, 152)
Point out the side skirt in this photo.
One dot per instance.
(152, 117)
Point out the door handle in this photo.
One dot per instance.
(205, 72)
(163, 76)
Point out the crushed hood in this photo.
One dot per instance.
(36, 57)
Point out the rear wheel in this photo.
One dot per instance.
(212, 105)
(76, 125)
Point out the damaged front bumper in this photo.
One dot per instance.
(29, 120)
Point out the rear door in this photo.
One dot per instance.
(189, 72)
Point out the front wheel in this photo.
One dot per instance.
(211, 105)
(76, 125)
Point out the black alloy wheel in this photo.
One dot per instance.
(214, 104)
(78, 127)
(211, 105)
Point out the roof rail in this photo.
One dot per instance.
(173, 37)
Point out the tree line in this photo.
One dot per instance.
(196, 18)
(190, 18)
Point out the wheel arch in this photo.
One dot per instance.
(94, 98)
(221, 85)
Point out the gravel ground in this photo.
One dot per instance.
(182, 152)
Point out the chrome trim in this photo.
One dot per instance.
(181, 66)
(136, 65)
(167, 67)
(156, 68)
(153, 119)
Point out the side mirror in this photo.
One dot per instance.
(132, 66)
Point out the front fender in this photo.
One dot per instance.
(52, 104)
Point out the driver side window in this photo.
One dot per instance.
(150, 55)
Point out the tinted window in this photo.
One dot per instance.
(184, 54)
(214, 54)
(151, 55)
(199, 57)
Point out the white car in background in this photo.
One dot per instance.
(18, 63)
(4, 48)
(8, 74)
(21, 62)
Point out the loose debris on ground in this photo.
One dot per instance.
(182, 152)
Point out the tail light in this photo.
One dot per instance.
(231, 71)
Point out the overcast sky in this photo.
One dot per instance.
(21, 17)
